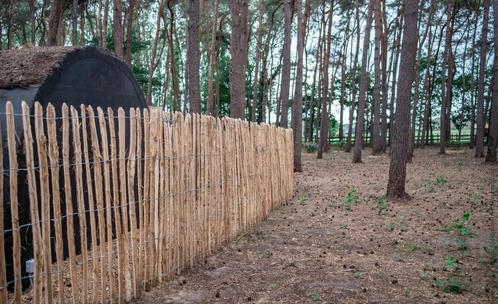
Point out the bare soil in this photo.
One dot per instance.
(338, 241)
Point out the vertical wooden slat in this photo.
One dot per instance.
(131, 198)
(33, 205)
(91, 208)
(123, 203)
(117, 207)
(80, 200)
(145, 203)
(107, 183)
(3, 275)
(56, 204)
(140, 202)
(14, 203)
(99, 195)
(41, 142)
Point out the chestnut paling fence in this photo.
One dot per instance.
(121, 201)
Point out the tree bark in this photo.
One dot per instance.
(376, 119)
(152, 61)
(129, 30)
(480, 82)
(445, 84)
(259, 42)
(193, 57)
(212, 59)
(325, 84)
(397, 167)
(54, 21)
(286, 67)
(74, 20)
(238, 51)
(118, 29)
(493, 124)
(297, 105)
(360, 117)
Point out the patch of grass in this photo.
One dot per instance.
(450, 263)
(461, 226)
(310, 147)
(450, 285)
(303, 200)
(315, 296)
(382, 205)
(351, 199)
(391, 226)
(358, 274)
(413, 247)
(441, 180)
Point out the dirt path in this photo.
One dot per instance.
(338, 241)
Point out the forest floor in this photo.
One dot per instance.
(339, 241)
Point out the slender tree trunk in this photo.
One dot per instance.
(411, 142)
(325, 84)
(118, 28)
(297, 105)
(396, 54)
(472, 85)
(376, 119)
(212, 59)
(105, 23)
(286, 67)
(54, 20)
(493, 124)
(238, 51)
(480, 82)
(174, 75)
(342, 98)
(74, 20)
(445, 85)
(259, 42)
(347, 147)
(129, 30)
(360, 117)
(397, 167)
(152, 61)
(385, 79)
(193, 57)
(32, 8)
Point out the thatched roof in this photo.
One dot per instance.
(30, 65)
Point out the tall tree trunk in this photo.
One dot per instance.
(385, 78)
(129, 30)
(259, 42)
(212, 59)
(74, 20)
(360, 117)
(493, 124)
(480, 82)
(54, 21)
(286, 67)
(171, 49)
(352, 106)
(472, 85)
(395, 61)
(325, 84)
(297, 105)
(32, 8)
(238, 51)
(193, 57)
(152, 61)
(397, 167)
(445, 84)
(376, 119)
(342, 97)
(118, 28)
(411, 142)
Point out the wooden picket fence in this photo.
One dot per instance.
(135, 197)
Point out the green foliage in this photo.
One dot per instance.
(451, 285)
(351, 199)
(460, 225)
(382, 205)
(450, 263)
(310, 147)
(441, 180)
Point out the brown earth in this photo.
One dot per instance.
(332, 244)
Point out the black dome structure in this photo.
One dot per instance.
(56, 75)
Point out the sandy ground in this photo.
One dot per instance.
(339, 241)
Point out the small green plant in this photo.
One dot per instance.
(441, 180)
(461, 226)
(310, 147)
(303, 200)
(413, 247)
(391, 226)
(382, 204)
(462, 245)
(450, 263)
(315, 296)
(451, 285)
(351, 199)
